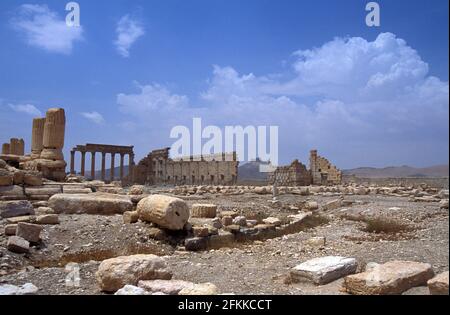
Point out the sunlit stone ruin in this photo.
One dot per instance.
(189, 226)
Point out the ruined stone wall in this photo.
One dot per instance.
(295, 174)
(221, 169)
(322, 171)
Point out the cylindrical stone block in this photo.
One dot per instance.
(13, 146)
(54, 129)
(37, 136)
(6, 148)
(167, 212)
(20, 147)
(203, 211)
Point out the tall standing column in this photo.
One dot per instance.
(72, 162)
(93, 165)
(37, 137)
(131, 167)
(112, 166)
(83, 163)
(103, 165)
(6, 148)
(53, 138)
(122, 156)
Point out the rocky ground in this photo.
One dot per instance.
(257, 267)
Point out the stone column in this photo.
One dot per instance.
(113, 155)
(72, 162)
(103, 165)
(37, 137)
(6, 148)
(93, 165)
(54, 131)
(13, 146)
(122, 156)
(131, 167)
(83, 163)
(21, 147)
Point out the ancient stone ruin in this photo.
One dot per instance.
(104, 149)
(321, 172)
(158, 168)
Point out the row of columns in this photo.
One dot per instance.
(103, 174)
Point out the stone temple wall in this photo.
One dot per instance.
(295, 174)
(322, 171)
(158, 168)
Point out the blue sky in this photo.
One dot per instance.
(134, 69)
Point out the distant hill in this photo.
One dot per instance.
(399, 171)
(250, 172)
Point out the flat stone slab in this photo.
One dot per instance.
(439, 284)
(324, 270)
(391, 278)
(10, 209)
(169, 287)
(96, 203)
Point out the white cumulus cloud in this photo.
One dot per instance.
(45, 29)
(26, 108)
(95, 117)
(128, 30)
(357, 101)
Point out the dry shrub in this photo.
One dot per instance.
(385, 225)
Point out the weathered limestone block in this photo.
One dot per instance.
(17, 220)
(167, 212)
(9, 209)
(96, 203)
(12, 193)
(29, 231)
(200, 289)
(316, 241)
(439, 284)
(32, 179)
(6, 178)
(131, 290)
(26, 289)
(39, 191)
(311, 205)
(443, 204)
(17, 147)
(203, 211)
(324, 270)
(196, 244)
(3, 164)
(391, 278)
(332, 205)
(10, 229)
(115, 273)
(16, 244)
(272, 221)
(47, 219)
(54, 129)
(200, 231)
(136, 190)
(76, 190)
(37, 137)
(169, 287)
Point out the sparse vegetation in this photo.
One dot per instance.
(379, 225)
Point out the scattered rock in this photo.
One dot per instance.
(439, 284)
(199, 289)
(240, 220)
(169, 287)
(324, 270)
(394, 277)
(115, 273)
(200, 231)
(47, 219)
(10, 229)
(30, 232)
(17, 244)
(131, 290)
(318, 241)
(203, 211)
(196, 244)
(272, 221)
(136, 190)
(26, 289)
